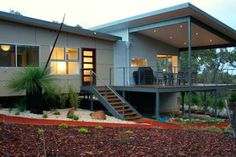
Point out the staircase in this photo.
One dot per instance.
(113, 102)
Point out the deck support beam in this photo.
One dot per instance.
(215, 102)
(204, 103)
(189, 67)
(182, 102)
(157, 107)
(91, 102)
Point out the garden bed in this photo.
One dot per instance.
(28, 140)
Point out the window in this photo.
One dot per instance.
(138, 62)
(18, 55)
(65, 61)
(167, 63)
(27, 55)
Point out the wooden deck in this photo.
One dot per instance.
(174, 88)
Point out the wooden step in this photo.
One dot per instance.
(113, 99)
(116, 103)
(125, 110)
(132, 117)
(129, 113)
(105, 92)
(120, 107)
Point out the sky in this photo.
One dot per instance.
(90, 13)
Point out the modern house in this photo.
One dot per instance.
(106, 61)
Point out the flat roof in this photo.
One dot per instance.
(55, 26)
(174, 12)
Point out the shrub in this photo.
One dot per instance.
(213, 129)
(45, 115)
(220, 104)
(73, 98)
(63, 126)
(83, 130)
(33, 80)
(21, 105)
(129, 132)
(232, 97)
(99, 127)
(40, 131)
(56, 113)
(74, 117)
(17, 113)
(0, 129)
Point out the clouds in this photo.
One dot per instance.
(94, 12)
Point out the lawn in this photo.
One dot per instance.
(35, 140)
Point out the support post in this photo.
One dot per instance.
(91, 101)
(215, 102)
(157, 109)
(204, 103)
(110, 76)
(189, 67)
(182, 102)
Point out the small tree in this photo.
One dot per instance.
(33, 80)
(232, 107)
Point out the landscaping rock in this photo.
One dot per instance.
(100, 115)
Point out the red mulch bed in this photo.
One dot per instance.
(23, 140)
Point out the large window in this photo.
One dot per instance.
(167, 63)
(138, 62)
(65, 61)
(18, 55)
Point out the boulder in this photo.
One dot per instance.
(100, 115)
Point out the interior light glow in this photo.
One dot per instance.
(5, 47)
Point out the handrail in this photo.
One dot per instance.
(91, 78)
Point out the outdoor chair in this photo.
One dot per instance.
(143, 76)
(181, 78)
(160, 79)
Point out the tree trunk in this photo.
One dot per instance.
(35, 102)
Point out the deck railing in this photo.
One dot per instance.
(129, 76)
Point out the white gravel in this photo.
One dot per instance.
(84, 115)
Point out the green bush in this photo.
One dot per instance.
(21, 105)
(63, 126)
(56, 113)
(83, 130)
(17, 113)
(40, 131)
(232, 97)
(220, 104)
(33, 80)
(213, 129)
(45, 115)
(99, 127)
(129, 132)
(74, 117)
(63, 100)
(73, 98)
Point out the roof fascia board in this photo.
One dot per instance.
(32, 22)
(209, 47)
(212, 30)
(159, 24)
(137, 17)
(211, 18)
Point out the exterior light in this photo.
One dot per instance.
(210, 40)
(164, 70)
(155, 31)
(196, 33)
(5, 47)
(171, 37)
(185, 43)
(181, 26)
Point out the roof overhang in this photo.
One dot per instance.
(170, 25)
(55, 26)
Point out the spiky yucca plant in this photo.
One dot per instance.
(33, 80)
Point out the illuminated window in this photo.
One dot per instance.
(18, 55)
(138, 62)
(167, 63)
(65, 61)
